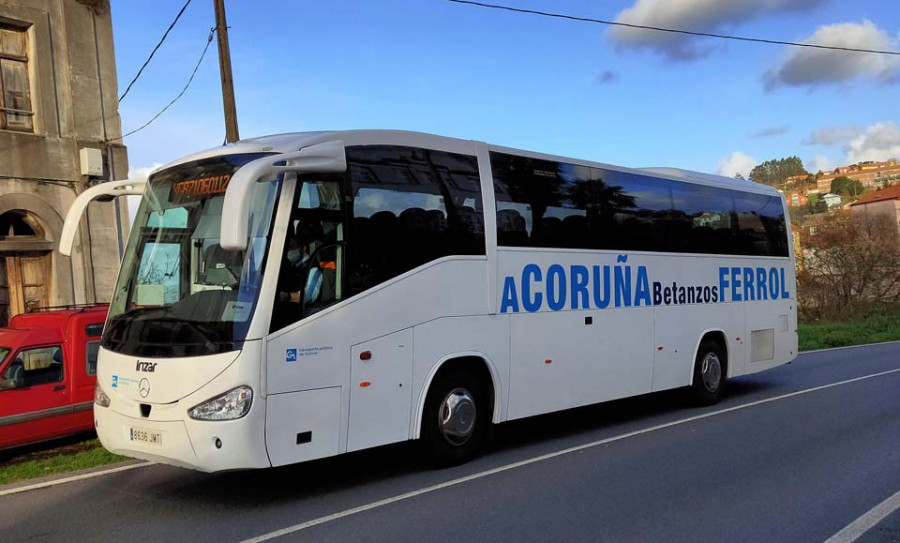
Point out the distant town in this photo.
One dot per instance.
(842, 187)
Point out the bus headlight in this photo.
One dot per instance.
(100, 397)
(234, 404)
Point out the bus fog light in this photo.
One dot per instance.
(100, 397)
(234, 404)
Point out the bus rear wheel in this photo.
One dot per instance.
(710, 370)
(456, 418)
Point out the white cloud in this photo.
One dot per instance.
(693, 15)
(132, 202)
(737, 162)
(811, 67)
(134, 173)
(819, 163)
(833, 135)
(881, 141)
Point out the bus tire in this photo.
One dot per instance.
(456, 418)
(710, 371)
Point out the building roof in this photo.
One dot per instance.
(889, 193)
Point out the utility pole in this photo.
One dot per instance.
(231, 124)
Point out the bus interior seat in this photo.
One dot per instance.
(511, 228)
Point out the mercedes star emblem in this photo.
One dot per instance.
(144, 387)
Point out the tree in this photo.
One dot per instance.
(850, 259)
(738, 175)
(774, 172)
(845, 186)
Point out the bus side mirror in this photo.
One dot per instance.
(328, 157)
(103, 192)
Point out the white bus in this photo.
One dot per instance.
(298, 296)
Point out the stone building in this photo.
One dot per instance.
(60, 133)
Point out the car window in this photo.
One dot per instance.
(32, 367)
(4, 352)
(90, 356)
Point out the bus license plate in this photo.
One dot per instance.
(148, 437)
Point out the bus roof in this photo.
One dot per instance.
(289, 142)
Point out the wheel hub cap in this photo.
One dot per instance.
(711, 371)
(457, 416)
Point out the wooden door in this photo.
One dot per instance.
(27, 283)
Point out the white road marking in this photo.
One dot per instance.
(72, 479)
(514, 465)
(863, 524)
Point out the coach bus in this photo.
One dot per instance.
(298, 296)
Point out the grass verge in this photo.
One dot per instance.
(39, 463)
(864, 328)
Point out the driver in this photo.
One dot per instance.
(298, 267)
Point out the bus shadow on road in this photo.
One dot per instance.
(360, 474)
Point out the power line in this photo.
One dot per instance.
(146, 62)
(209, 38)
(672, 30)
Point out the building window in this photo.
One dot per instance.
(15, 93)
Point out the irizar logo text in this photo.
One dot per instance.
(147, 367)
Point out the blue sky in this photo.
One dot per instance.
(562, 87)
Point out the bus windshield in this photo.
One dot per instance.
(179, 292)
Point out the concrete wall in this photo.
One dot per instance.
(75, 99)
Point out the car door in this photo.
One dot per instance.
(34, 396)
(82, 366)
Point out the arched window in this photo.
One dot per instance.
(18, 223)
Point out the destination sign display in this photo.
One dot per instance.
(193, 189)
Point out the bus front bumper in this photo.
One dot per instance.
(167, 438)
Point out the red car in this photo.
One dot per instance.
(48, 368)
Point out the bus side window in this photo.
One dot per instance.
(410, 206)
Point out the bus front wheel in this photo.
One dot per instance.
(456, 418)
(710, 370)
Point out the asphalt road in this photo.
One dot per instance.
(778, 467)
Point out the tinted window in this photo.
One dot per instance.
(772, 217)
(544, 203)
(93, 330)
(33, 367)
(541, 203)
(634, 212)
(553, 204)
(90, 357)
(410, 206)
(703, 219)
